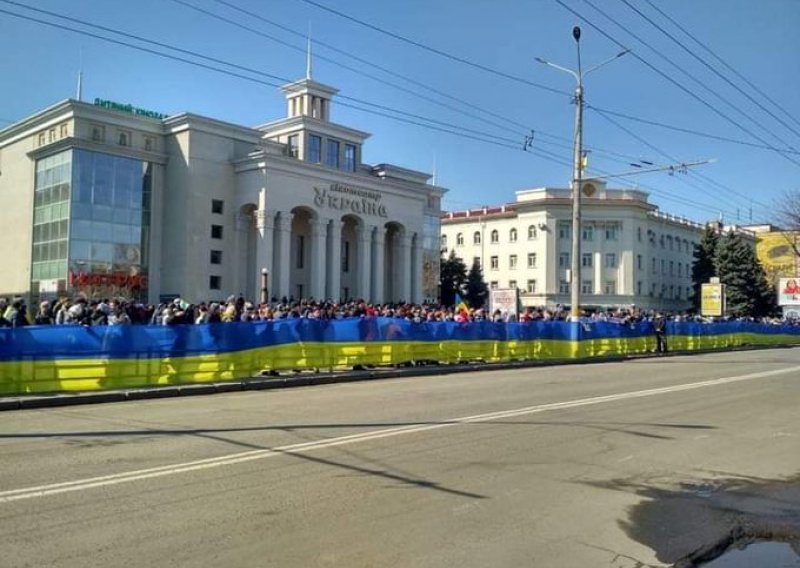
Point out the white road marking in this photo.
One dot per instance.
(231, 459)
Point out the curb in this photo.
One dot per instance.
(279, 382)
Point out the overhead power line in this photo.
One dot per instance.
(749, 83)
(714, 70)
(673, 81)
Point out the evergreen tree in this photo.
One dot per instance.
(452, 278)
(747, 290)
(477, 292)
(703, 266)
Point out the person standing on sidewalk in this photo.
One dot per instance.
(660, 328)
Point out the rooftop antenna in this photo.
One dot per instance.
(79, 92)
(434, 169)
(308, 54)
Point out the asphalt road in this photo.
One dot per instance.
(626, 464)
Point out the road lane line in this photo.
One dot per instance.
(241, 457)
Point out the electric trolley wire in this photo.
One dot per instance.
(723, 62)
(674, 82)
(712, 69)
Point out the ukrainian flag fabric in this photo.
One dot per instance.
(38, 359)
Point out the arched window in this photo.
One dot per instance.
(476, 238)
(512, 235)
(495, 236)
(460, 239)
(531, 232)
(444, 241)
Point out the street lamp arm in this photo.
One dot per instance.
(554, 66)
(604, 63)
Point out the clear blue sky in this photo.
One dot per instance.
(760, 40)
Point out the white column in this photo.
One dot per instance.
(364, 236)
(378, 262)
(265, 247)
(283, 263)
(404, 277)
(416, 270)
(334, 279)
(319, 233)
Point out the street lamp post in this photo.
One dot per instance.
(577, 174)
(264, 285)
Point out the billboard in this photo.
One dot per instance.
(505, 300)
(776, 252)
(712, 300)
(789, 292)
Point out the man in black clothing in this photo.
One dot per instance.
(660, 327)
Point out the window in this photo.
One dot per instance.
(671, 268)
(531, 260)
(688, 271)
(301, 250)
(41, 139)
(563, 287)
(611, 232)
(460, 239)
(350, 157)
(531, 287)
(639, 262)
(345, 257)
(639, 288)
(653, 289)
(493, 285)
(588, 233)
(63, 131)
(532, 232)
(669, 242)
(512, 236)
(563, 260)
(51, 135)
(610, 287)
(215, 282)
(98, 133)
(217, 206)
(476, 238)
(444, 241)
(611, 260)
(494, 263)
(123, 138)
(476, 260)
(671, 291)
(654, 266)
(587, 287)
(294, 145)
(332, 154)
(216, 231)
(639, 234)
(512, 284)
(564, 230)
(216, 257)
(495, 236)
(677, 292)
(663, 266)
(148, 144)
(314, 149)
(662, 241)
(512, 261)
(586, 260)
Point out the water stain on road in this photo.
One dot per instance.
(689, 523)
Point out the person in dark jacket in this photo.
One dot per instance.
(660, 328)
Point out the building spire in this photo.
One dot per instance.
(308, 54)
(79, 90)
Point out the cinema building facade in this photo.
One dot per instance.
(111, 200)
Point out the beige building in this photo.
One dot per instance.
(631, 253)
(109, 199)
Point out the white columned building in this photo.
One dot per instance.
(108, 199)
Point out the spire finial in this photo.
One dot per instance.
(79, 91)
(308, 54)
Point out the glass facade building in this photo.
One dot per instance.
(91, 225)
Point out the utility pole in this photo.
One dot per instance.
(577, 174)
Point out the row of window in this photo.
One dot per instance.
(122, 137)
(333, 158)
(667, 241)
(494, 236)
(52, 134)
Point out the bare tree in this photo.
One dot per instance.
(788, 214)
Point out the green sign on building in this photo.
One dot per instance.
(130, 109)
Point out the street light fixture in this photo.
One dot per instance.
(575, 281)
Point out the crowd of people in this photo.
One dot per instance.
(83, 311)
